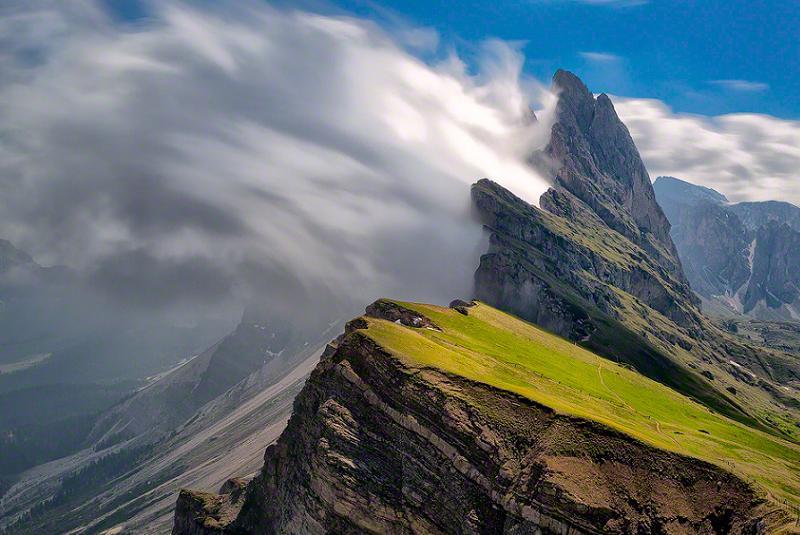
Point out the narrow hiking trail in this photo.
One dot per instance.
(623, 402)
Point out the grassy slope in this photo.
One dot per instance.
(497, 349)
(635, 333)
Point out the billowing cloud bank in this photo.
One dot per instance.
(747, 157)
(250, 149)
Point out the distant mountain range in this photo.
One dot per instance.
(739, 257)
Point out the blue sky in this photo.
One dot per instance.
(705, 56)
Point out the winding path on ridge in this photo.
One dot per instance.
(623, 402)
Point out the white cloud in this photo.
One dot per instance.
(600, 57)
(743, 156)
(741, 85)
(259, 146)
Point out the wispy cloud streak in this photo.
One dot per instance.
(600, 57)
(744, 156)
(741, 85)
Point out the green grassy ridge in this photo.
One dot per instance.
(616, 340)
(499, 350)
(601, 240)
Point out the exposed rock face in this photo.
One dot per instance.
(199, 513)
(592, 157)
(742, 256)
(713, 244)
(593, 263)
(714, 249)
(592, 285)
(608, 228)
(755, 215)
(597, 258)
(776, 268)
(258, 338)
(377, 446)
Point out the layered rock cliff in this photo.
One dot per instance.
(455, 440)
(380, 444)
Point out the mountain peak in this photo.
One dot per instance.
(568, 81)
(596, 163)
(11, 257)
(574, 98)
(678, 190)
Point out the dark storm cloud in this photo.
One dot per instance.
(142, 279)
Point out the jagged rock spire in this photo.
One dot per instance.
(593, 161)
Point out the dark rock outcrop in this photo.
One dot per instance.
(461, 306)
(389, 311)
(202, 513)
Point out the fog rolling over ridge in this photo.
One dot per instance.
(249, 151)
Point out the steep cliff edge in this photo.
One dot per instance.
(421, 419)
(433, 420)
(713, 244)
(590, 284)
(776, 270)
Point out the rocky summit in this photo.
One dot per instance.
(593, 163)
(571, 268)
